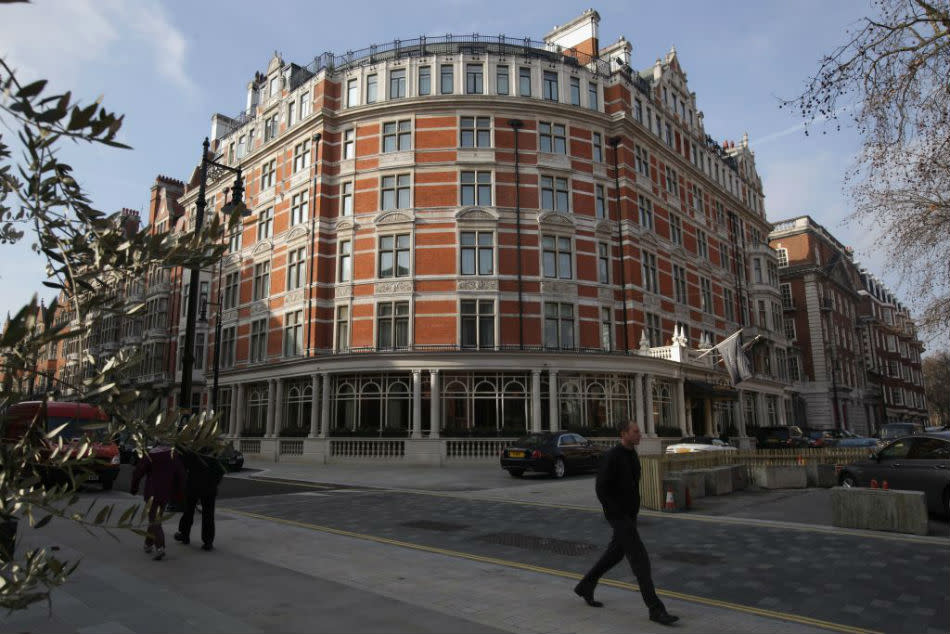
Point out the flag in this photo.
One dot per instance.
(733, 357)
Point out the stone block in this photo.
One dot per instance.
(780, 476)
(718, 480)
(678, 486)
(820, 475)
(740, 477)
(695, 482)
(879, 510)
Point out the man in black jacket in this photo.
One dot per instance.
(204, 476)
(618, 489)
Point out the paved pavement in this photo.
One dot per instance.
(469, 549)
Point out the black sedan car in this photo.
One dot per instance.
(556, 453)
(912, 463)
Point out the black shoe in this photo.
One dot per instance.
(588, 595)
(663, 617)
(207, 546)
(179, 537)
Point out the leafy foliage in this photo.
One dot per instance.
(890, 80)
(936, 371)
(90, 259)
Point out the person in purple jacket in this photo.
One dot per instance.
(164, 475)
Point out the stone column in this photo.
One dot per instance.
(417, 404)
(314, 405)
(760, 406)
(278, 408)
(740, 415)
(536, 401)
(648, 404)
(552, 397)
(638, 414)
(325, 406)
(241, 408)
(269, 418)
(232, 415)
(688, 417)
(780, 404)
(435, 404)
(681, 403)
(709, 422)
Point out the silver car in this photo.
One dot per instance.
(913, 463)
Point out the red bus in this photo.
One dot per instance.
(83, 421)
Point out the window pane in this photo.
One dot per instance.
(468, 238)
(549, 264)
(468, 261)
(386, 264)
(486, 332)
(564, 266)
(469, 332)
(485, 239)
(403, 264)
(485, 264)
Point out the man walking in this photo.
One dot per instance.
(618, 489)
(204, 476)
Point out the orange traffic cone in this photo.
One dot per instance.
(670, 503)
(884, 485)
(801, 459)
(873, 483)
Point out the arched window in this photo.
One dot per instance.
(514, 407)
(371, 407)
(398, 406)
(596, 406)
(662, 405)
(345, 418)
(256, 411)
(485, 406)
(455, 406)
(570, 405)
(619, 398)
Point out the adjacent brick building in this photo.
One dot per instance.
(855, 358)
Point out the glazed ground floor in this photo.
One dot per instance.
(395, 398)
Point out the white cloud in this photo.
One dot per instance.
(63, 39)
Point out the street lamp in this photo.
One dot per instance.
(235, 206)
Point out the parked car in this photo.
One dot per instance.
(891, 431)
(83, 422)
(230, 458)
(556, 453)
(820, 437)
(914, 463)
(694, 444)
(845, 438)
(783, 437)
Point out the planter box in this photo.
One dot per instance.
(740, 477)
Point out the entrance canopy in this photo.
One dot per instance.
(704, 390)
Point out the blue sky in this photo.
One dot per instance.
(169, 65)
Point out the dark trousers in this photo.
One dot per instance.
(626, 542)
(154, 534)
(207, 515)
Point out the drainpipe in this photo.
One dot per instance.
(615, 142)
(516, 125)
(313, 236)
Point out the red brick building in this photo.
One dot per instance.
(855, 358)
(463, 233)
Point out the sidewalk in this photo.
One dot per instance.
(267, 576)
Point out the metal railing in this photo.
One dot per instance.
(250, 446)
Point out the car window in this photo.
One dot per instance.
(896, 450)
(565, 440)
(930, 449)
(580, 439)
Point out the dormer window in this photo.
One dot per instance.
(274, 86)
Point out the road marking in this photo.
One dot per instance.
(690, 517)
(794, 618)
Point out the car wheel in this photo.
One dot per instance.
(516, 473)
(847, 480)
(560, 469)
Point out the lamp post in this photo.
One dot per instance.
(236, 205)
